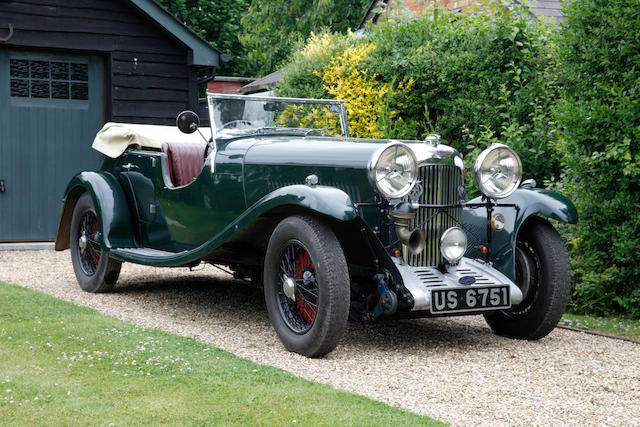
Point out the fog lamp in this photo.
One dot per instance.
(453, 244)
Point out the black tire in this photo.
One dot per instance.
(544, 275)
(94, 269)
(321, 280)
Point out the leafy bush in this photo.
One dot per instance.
(478, 79)
(271, 28)
(259, 34)
(473, 78)
(217, 22)
(599, 73)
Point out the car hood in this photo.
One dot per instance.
(336, 152)
(275, 162)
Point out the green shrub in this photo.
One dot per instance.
(599, 114)
(217, 22)
(473, 78)
(271, 28)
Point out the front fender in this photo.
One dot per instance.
(328, 201)
(111, 206)
(530, 202)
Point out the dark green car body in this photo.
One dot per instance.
(253, 178)
(253, 181)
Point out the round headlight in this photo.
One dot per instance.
(453, 244)
(498, 171)
(393, 170)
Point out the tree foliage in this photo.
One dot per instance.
(599, 114)
(260, 34)
(271, 28)
(474, 78)
(215, 21)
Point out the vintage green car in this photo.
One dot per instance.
(333, 227)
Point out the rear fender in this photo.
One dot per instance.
(111, 206)
(530, 202)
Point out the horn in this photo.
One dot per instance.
(403, 212)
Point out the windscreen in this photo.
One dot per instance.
(232, 114)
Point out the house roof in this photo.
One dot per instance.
(267, 82)
(551, 9)
(372, 14)
(200, 51)
(545, 9)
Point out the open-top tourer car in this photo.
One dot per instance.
(333, 227)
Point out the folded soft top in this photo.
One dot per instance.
(114, 138)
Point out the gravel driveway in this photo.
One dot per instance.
(451, 369)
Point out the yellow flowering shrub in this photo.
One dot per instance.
(310, 117)
(334, 66)
(363, 96)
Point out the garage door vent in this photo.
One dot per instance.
(49, 79)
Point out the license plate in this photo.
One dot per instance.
(459, 300)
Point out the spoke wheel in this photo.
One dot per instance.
(88, 248)
(543, 275)
(528, 274)
(306, 285)
(94, 269)
(298, 291)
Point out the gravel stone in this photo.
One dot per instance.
(452, 369)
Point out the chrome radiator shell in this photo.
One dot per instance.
(440, 184)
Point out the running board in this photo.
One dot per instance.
(150, 256)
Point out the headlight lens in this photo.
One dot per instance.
(498, 171)
(453, 244)
(393, 170)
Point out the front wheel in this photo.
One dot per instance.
(94, 269)
(544, 277)
(306, 286)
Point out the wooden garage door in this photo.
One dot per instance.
(51, 106)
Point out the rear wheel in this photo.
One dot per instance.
(306, 286)
(94, 270)
(544, 277)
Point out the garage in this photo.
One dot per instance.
(49, 103)
(66, 68)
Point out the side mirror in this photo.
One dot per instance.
(188, 122)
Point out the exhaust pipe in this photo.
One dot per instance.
(414, 239)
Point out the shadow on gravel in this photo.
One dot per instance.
(241, 302)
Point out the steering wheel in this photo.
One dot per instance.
(234, 124)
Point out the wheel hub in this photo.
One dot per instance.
(525, 271)
(82, 242)
(289, 287)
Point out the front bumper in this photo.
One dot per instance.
(421, 280)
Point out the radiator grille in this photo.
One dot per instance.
(440, 184)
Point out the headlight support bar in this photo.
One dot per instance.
(489, 206)
(486, 203)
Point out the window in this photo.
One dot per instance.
(49, 79)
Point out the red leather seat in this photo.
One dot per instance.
(185, 161)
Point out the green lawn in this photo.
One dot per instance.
(62, 364)
(608, 325)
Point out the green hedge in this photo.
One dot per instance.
(473, 78)
(599, 112)
(567, 99)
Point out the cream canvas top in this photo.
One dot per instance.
(114, 138)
